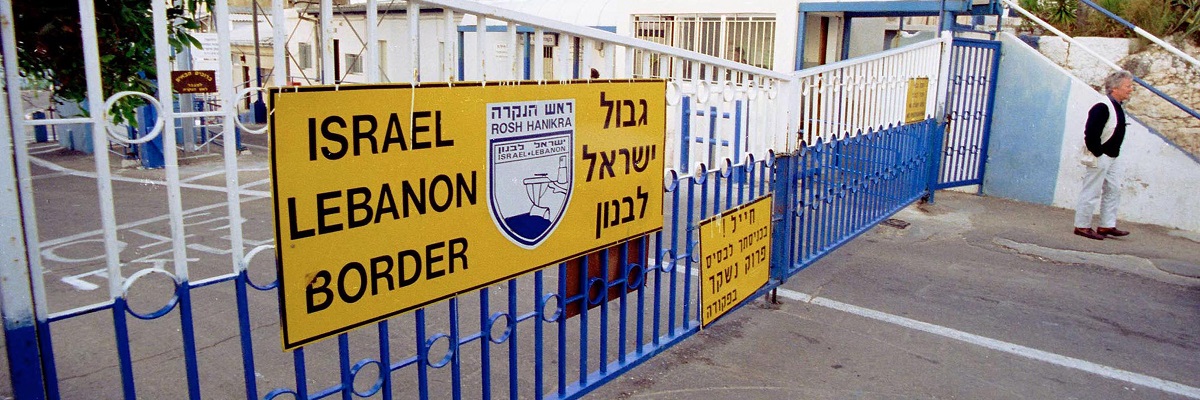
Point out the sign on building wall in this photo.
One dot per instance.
(194, 81)
(735, 251)
(388, 198)
(918, 92)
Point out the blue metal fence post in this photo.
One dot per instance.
(685, 135)
(39, 132)
(935, 131)
(151, 152)
(782, 215)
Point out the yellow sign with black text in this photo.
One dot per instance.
(735, 250)
(391, 197)
(918, 93)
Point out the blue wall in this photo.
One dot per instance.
(1027, 125)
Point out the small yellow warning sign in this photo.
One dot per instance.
(735, 250)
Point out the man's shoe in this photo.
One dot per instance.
(1089, 233)
(1111, 231)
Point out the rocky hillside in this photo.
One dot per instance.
(1150, 62)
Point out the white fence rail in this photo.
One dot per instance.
(851, 97)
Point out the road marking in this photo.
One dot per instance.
(1015, 349)
(92, 175)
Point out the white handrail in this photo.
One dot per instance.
(872, 57)
(1068, 38)
(1138, 30)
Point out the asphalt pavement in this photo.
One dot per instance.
(977, 298)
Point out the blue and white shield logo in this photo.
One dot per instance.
(531, 148)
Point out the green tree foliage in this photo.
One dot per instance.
(50, 47)
(1159, 17)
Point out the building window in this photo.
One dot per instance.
(304, 59)
(354, 64)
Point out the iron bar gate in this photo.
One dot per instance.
(833, 192)
(973, 65)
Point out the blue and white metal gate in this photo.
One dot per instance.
(160, 284)
(972, 88)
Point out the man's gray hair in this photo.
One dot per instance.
(1114, 79)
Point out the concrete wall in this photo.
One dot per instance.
(1027, 126)
(1037, 130)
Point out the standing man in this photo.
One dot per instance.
(1102, 136)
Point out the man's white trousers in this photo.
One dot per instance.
(1101, 183)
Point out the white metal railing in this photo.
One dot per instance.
(721, 86)
(747, 39)
(851, 97)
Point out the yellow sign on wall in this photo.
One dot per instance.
(388, 198)
(918, 93)
(735, 250)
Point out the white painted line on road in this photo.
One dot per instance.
(219, 172)
(1015, 349)
(255, 183)
(93, 175)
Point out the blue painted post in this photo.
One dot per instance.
(199, 106)
(39, 132)
(20, 331)
(782, 215)
(528, 56)
(739, 176)
(151, 152)
(685, 135)
(934, 131)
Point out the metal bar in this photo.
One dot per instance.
(485, 345)
(603, 306)
(1142, 32)
(640, 337)
(48, 121)
(385, 360)
(685, 134)
(413, 12)
(346, 383)
(371, 65)
(95, 94)
(513, 51)
(513, 372)
(583, 320)
(279, 42)
(481, 46)
(174, 197)
(423, 350)
(539, 339)
(538, 56)
(455, 346)
(22, 295)
(327, 55)
(562, 330)
(452, 47)
(125, 357)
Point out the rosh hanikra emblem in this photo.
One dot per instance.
(531, 148)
